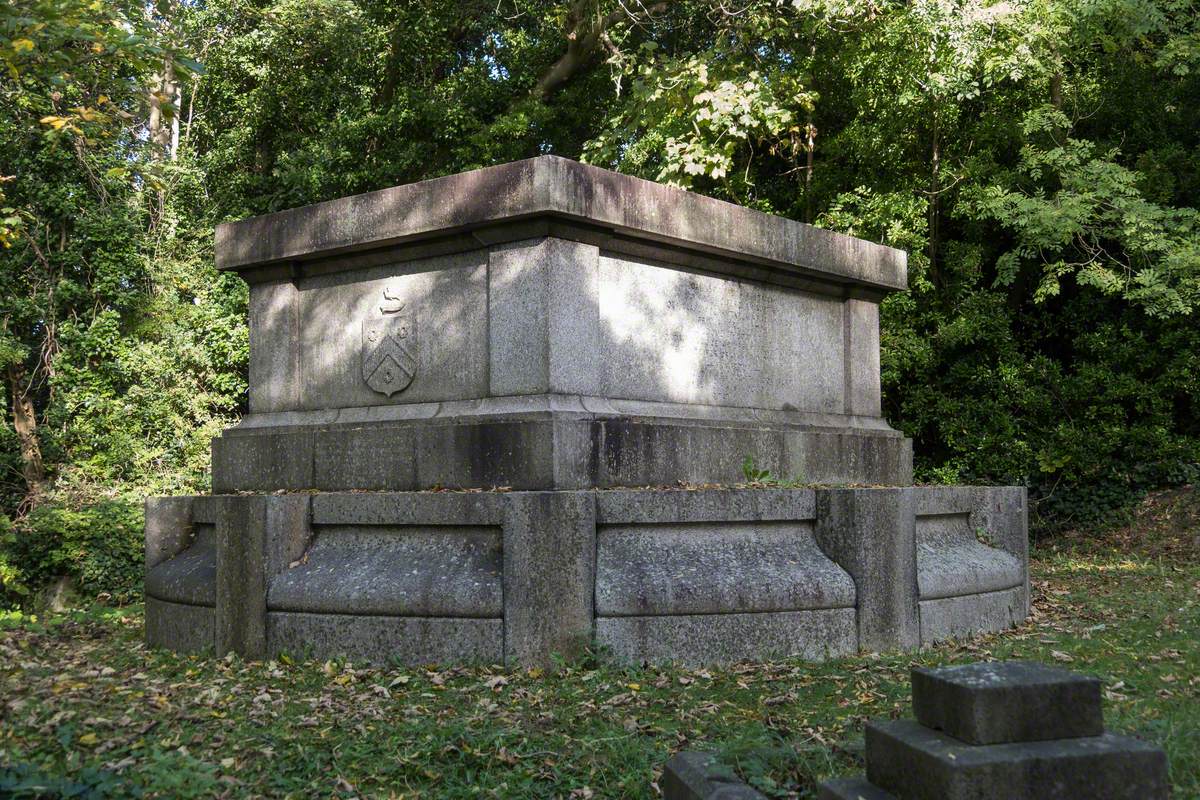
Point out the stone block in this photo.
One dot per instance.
(871, 534)
(168, 528)
(972, 614)
(700, 639)
(257, 537)
(549, 574)
(544, 318)
(411, 641)
(181, 627)
(700, 776)
(275, 368)
(1008, 701)
(683, 506)
(861, 327)
(852, 789)
(916, 763)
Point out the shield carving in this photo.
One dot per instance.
(389, 352)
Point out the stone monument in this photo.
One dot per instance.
(496, 415)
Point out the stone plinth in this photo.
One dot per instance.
(565, 333)
(1004, 731)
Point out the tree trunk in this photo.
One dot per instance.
(25, 426)
(935, 177)
(810, 146)
(163, 88)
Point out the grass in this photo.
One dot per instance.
(85, 708)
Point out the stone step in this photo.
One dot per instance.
(1009, 701)
(916, 763)
(852, 789)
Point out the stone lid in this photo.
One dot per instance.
(608, 203)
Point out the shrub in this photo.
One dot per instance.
(98, 546)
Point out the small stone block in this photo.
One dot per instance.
(916, 763)
(699, 776)
(852, 789)
(1009, 701)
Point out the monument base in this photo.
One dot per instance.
(550, 442)
(694, 576)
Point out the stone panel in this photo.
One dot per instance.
(411, 571)
(972, 614)
(445, 300)
(715, 568)
(951, 561)
(411, 641)
(178, 626)
(725, 638)
(674, 336)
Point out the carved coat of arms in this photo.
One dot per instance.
(389, 347)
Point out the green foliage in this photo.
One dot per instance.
(1039, 160)
(24, 781)
(99, 547)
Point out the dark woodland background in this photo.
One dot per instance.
(1038, 159)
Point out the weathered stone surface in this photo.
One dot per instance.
(671, 336)
(544, 318)
(547, 328)
(725, 638)
(178, 626)
(972, 614)
(555, 187)
(188, 578)
(168, 528)
(441, 301)
(546, 450)
(912, 761)
(646, 507)
(693, 775)
(951, 561)
(257, 537)
(852, 789)
(409, 571)
(274, 346)
(1007, 701)
(408, 508)
(690, 568)
(549, 574)
(861, 331)
(413, 641)
(871, 534)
